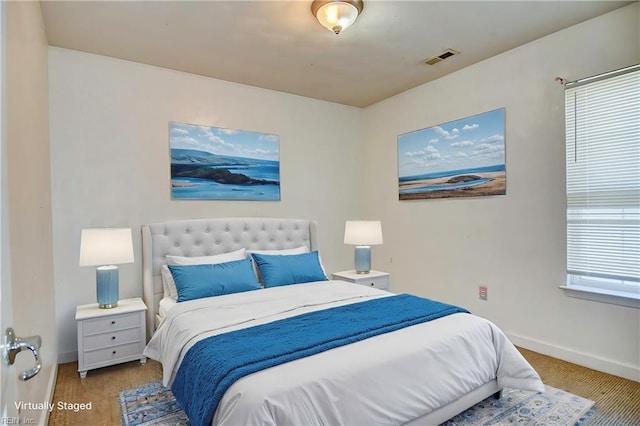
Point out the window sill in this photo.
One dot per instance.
(631, 300)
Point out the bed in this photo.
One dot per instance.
(424, 373)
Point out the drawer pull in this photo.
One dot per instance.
(113, 353)
(113, 337)
(113, 323)
(372, 284)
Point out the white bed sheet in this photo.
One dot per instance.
(389, 379)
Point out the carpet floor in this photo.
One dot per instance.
(153, 404)
(617, 399)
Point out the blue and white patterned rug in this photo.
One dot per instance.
(153, 404)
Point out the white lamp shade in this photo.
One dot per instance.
(106, 246)
(363, 232)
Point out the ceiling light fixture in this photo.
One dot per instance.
(336, 15)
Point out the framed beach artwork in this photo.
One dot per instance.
(213, 163)
(461, 158)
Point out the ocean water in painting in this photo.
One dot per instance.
(204, 189)
(404, 180)
(202, 175)
(459, 185)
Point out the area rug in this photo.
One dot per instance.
(153, 404)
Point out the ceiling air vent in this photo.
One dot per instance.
(441, 57)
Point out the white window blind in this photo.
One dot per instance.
(603, 180)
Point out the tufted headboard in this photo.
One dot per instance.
(206, 237)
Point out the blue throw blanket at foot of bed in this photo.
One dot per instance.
(212, 365)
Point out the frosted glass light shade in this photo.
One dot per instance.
(363, 232)
(106, 246)
(336, 15)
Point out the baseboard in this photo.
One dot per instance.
(609, 366)
(66, 357)
(41, 417)
(51, 387)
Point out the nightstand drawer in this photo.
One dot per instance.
(104, 325)
(111, 354)
(115, 338)
(381, 283)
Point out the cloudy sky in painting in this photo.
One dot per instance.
(470, 142)
(216, 140)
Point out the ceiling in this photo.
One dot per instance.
(279, 45)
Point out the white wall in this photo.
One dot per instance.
(30, 227)
(110, 167)
(514, 244)
(109, 123)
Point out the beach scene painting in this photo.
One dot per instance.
(213, 163)
(461, 158)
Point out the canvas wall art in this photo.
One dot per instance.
(461, 158)
(213, 163)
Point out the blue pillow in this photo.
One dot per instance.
(197, 281)
(277, 270)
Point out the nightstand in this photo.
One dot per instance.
(375, 279)
(110, 336)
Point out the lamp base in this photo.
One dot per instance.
(107, 286)
(363, 259)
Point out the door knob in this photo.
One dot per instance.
(13, 345)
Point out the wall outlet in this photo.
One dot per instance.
(483, 292)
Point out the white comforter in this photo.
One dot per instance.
(388, 379)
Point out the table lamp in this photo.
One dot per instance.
(363, 234)
(106, 247)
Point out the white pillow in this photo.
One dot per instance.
(284, 252)
(169, 285)
(203, 260)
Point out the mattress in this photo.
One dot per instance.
(392, 378)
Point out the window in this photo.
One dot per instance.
(603, 183)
